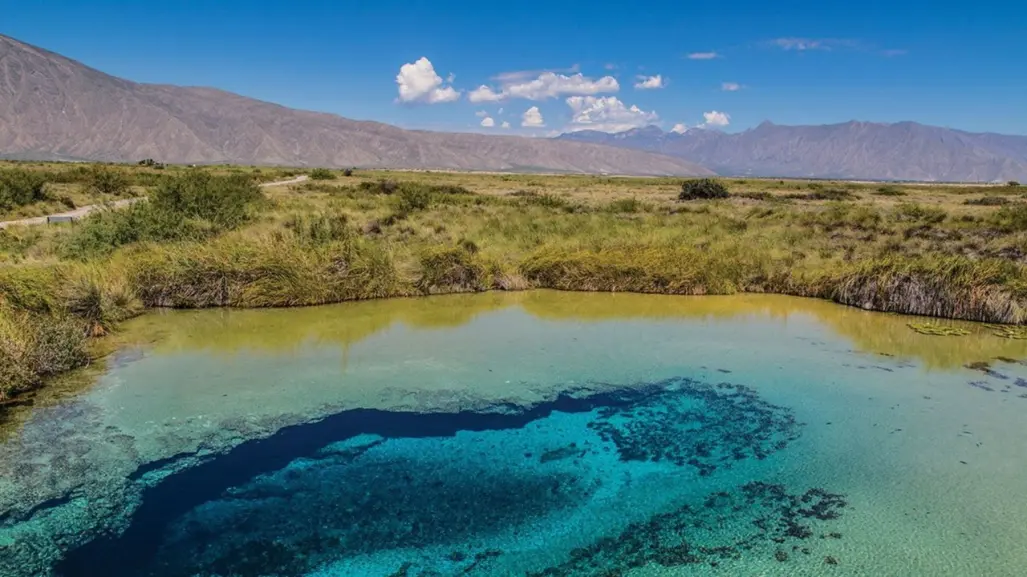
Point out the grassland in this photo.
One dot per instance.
(208, 237)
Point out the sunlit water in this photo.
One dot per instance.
(542, 434)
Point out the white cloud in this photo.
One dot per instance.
(481, 114)
(484, 94)
(610, 66)
(607, 114)
(799, 44)
(703, 56)
(487, 122)
(546, 85)
(714, 118)
(532, 118)
(650, 82)
(730, 87)
(500, 111)
(506, 124)
(418, 82)
(551, 85)
(679, 128)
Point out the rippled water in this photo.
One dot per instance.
(542, 434)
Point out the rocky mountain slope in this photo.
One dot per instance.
(861, 150)
(52, 107)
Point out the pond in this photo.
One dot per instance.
(537, 434)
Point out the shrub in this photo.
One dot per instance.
(348, 172)
(626, 205)
(380, 187)
(702, 188)
(106, 180)
(225, 201)
(322, 174)
(987, 201)
(101, 302)
(36, 346)
(918, 213)
(413, 199)
(194, 206)
(889, 191)
(819, 193)
(451, 268)
(19, 187)
(1012, 218)
(1013, 183)
(320, 229)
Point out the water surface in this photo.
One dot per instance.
(541, 433)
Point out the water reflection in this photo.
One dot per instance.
(282, 331)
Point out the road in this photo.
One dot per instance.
(84, 210)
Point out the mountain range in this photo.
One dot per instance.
(55, 108)
(852, 150)
(52, 107)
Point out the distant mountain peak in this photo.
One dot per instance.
(855, 149)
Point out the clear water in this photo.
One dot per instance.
(542, 434)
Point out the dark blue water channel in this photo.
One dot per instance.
(363, 482)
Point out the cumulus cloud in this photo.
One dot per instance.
(551, 85)
(532, 118)
(606, 114)
(730, 87)
(487, 122)
(650, 82)
(481, 114)
(484, 94)
(506, 124)
(714, 118)
(544, 86)
(679, 128)
(703, 56)
(418, 82)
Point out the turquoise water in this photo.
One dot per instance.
(540, 434)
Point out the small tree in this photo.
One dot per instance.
(702, 188)
(1014, 183)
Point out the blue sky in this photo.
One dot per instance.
(937, 62)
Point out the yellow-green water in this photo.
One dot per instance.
(536, 433)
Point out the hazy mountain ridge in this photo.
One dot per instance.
(862, 150)
(52, 107)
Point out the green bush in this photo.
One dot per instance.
(702, 188)
(348, 172)
(413, 198)
(19, 187)
(889, 191)
(225, 201)
(322, 174)
(987, 201)
(106, 180)
(194, 206)
(1013, 183)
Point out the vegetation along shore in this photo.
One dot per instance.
(211, 237)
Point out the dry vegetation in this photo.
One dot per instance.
(208, 237)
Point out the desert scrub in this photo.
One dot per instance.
(19, 187)
(273, 271)
(194, 206)
(36, 346)
(322, 174)
(106, 180)
(100, 301)
(988, 290)
(454, 269)
(702, 188)
(641, 268)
